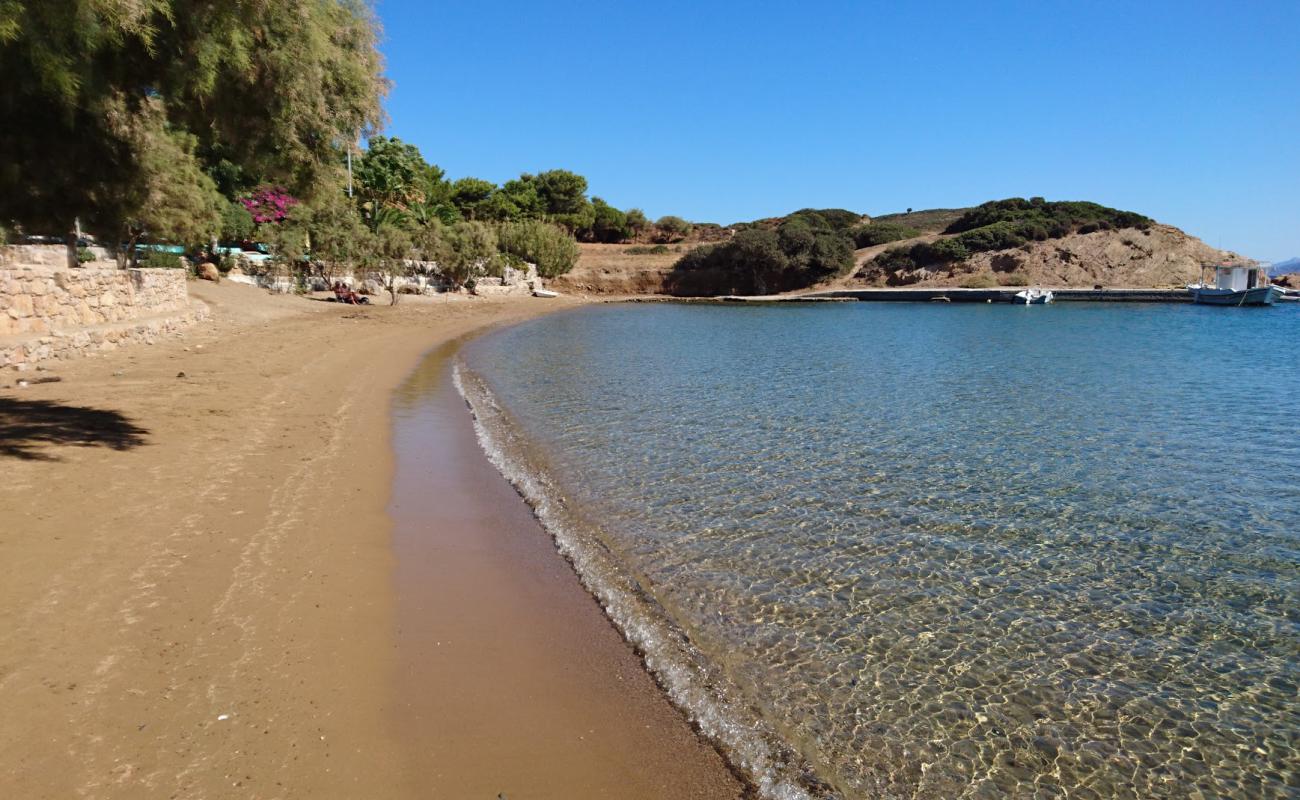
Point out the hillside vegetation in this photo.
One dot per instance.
(1002, 243)
(771, 255)
(1003, 225)
(931, 220)
(812, 246)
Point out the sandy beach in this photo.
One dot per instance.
(211, 584)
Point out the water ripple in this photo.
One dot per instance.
(960, 551)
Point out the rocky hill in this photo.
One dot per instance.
(1156, 256)
(1011, 242)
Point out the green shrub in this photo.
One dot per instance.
(84, 255)
(236, 222)
(226, 262)
(549, 247)
(895, 259)
(1015, 279)
(759, 260)
(1059, 218)
(998, 236)
(836, 219)
(155, 259)
(647, 250)
(980, 280)
(876, 233)
(943, 251)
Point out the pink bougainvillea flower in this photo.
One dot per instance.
(269, 203)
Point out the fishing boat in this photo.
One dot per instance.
(545, 293)
(1033, 297)
(1236, 285)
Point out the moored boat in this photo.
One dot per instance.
(1236, 285)
(1033, 297)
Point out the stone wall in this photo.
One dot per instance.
(45, 255)
(53, 312)
(512, 281)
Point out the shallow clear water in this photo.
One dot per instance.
(946, 551)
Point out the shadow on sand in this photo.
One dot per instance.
(28, 427)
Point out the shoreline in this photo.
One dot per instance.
(197, 594)
(766, 763)
(550, 698)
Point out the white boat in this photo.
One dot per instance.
(1033, 297)
(545, 293)
(1236, 285)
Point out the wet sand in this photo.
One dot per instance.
(544, 697)
(202, 593)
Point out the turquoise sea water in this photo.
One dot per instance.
(908, 550)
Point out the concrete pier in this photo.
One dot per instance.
(1005, 294)
(999, 295)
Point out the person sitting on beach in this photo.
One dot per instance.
(344, 294)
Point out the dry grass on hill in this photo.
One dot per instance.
(931, 220)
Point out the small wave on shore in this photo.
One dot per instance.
(712, 703)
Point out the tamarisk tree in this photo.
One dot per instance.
(120, 113)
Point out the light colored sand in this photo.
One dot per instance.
(210, 611)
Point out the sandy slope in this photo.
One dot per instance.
(610, 269)
(196, 577)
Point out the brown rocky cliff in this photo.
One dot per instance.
(611, 269)
(1160, 255)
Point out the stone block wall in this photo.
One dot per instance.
(46, 255)
(42, 299)
(51, 312)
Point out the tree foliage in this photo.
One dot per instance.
(335, 233)
(524, 197)
(473, 252)
(608, 223)
(672, 229)
(100, 93)
(563, 196)
(236, 222)
(758, 260)
(172, 198)
(471, 196)
(390, 251)
(550, 248)
(392, 172)
(637, 222)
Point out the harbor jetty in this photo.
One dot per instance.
(931, 294)
(1002, 295)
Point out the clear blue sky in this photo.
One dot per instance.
(1186, 111)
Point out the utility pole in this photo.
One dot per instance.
(355, 139)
